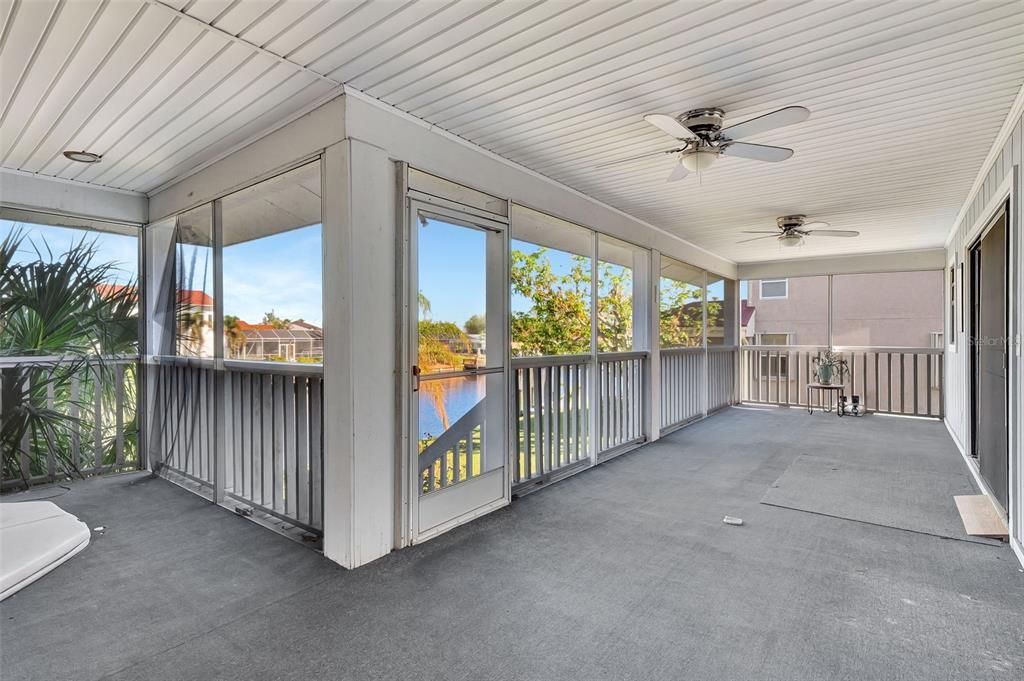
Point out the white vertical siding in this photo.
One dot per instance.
(999, 174)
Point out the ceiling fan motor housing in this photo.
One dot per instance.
(703, 122)
(788, 222)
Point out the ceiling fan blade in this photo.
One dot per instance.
(757, 152)
(746, 241)
(678, 173)
(747, 231)
(813, 225)
(834, 232)
(769, 121)
(670, 125)
(651, 154)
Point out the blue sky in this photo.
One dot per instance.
(282, 272)
(452, 271)
(113, 248)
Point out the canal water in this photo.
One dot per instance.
(459, 395)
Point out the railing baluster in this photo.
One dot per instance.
(97, 419)
(928, 386)
(914, 357)
(51, 454)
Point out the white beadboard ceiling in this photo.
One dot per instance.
(906, 97)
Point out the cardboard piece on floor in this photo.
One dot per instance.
(980, 517)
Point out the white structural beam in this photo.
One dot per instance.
(870, 263)
(62, 197)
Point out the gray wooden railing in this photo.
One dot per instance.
(621, 402)
(455, 455)
(889, 380)
(682, 385)
(551, 413)
(272, 432)
(97, 430)
(274, 439)
(721, 376)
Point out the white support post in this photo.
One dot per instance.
(219, 439)
(359, 294)
(654, 334)
(642, 325)
(594, 387)
(705, 399)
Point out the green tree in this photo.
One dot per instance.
(614, 308)
(275, 321)
(234, 335)
(558, 319)
(475, 324)
(681, 313)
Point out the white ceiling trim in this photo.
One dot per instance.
(1016, 110)
(241, 41)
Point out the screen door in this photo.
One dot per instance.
(458, 411)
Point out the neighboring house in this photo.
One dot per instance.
(194, 313)
(900, 309)
(297, 340)
(891, 310)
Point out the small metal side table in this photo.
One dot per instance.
(821, 388)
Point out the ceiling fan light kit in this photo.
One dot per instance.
(700, 160)
(791, 239)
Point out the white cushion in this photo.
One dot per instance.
(35, 537)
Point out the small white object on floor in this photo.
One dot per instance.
(36, 536)
(729, 520)
(98, 529)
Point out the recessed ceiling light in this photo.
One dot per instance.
(82, 156)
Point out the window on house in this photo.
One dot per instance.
(802, 309)
(951, 336)
(273, 274)
(681, 304)
(774, 288)
(551, 268)
(774, 365)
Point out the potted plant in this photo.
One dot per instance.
(827, 365)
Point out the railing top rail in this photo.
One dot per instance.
(49, 360)
(682, 350)
(276, 368)
(285, 368)
(722, 348)
(613, 356)
(808, 348)
(549, 360)
(173, 360)
(893, 349)
(847, 348)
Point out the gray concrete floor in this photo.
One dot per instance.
(622, 572)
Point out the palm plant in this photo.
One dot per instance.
(234, 335)
(63, 308)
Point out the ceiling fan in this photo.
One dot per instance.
(704, 139)
(793, 228)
